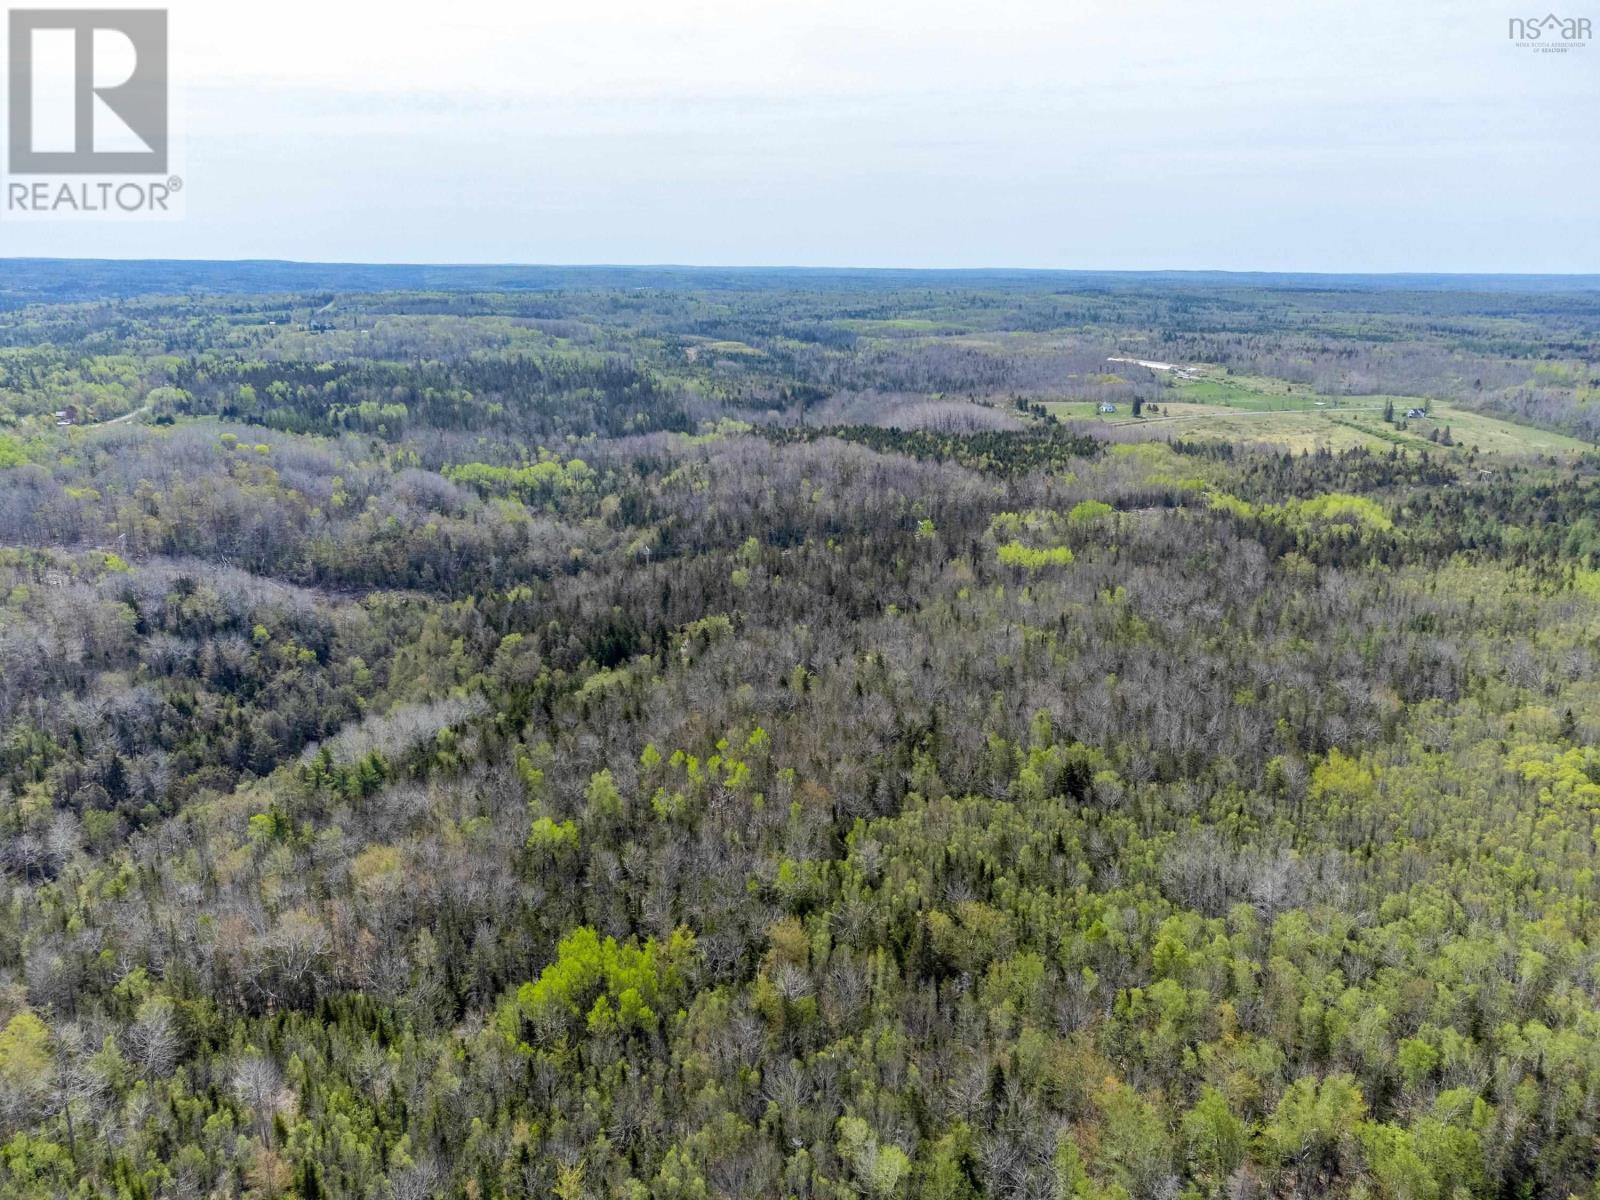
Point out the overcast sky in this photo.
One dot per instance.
(1354, 135)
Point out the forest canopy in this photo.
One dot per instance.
(682, 736)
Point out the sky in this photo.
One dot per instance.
(1334, 135)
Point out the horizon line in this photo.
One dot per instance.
(507, 264)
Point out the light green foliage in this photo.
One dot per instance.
(37, 1168)
(1089, 512)
(1331, 509)
(1315, 1119)
(603, 801)
(1136, 1150)
(1567, 776)
(607, 984)
(1231, 505)
(881, 1169)
(1015, 554)
(945, 1173)
(1351, 510)
(549, 837)
(548, 478)
(678, 1179)
(24, 1051)
(1030, 523)
(1341, 779)
(1216, 1139)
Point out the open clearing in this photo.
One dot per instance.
(1302, 430)
(1263, 411)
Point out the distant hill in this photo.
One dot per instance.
(34, 280)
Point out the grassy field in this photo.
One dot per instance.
(1252, 393)
(1245, 411)
(1493, 436)
(1297, 430)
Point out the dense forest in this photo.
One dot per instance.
(696, 737)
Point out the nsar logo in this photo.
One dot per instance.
(1549, 33)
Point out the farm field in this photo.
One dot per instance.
(1259, 410)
